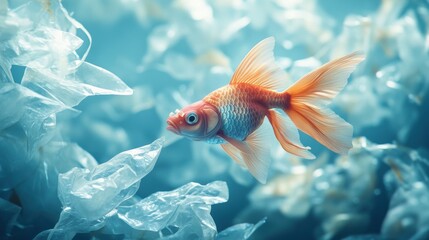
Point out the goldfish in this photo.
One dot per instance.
(232, 115)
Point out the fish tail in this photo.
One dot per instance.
(307, 99)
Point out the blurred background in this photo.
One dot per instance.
(174, 52)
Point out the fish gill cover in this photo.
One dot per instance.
(76, 165)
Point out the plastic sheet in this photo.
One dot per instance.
(89, 196)
(57, 133)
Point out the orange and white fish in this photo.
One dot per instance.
(231, 115)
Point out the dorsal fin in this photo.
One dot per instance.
(259, 68)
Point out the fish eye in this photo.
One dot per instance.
(191, 118)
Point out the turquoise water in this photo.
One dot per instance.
(83, 83)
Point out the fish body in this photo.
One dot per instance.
(243, 107)
(232, 115)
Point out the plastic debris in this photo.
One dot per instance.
(9, 215)
(179, 214)
(24, 131)
(71, 89)
(164, 55)
(89, 196)
(240, 231)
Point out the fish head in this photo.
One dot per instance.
(197, 121)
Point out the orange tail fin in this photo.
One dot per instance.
(309, 95)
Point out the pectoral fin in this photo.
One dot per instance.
(250, 153)
(234, 153)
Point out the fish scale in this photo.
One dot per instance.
(243, 107)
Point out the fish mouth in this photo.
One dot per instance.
(172, 127)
